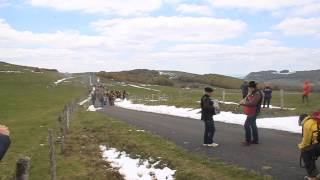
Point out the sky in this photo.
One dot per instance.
(231, 37)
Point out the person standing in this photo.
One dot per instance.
(244, 89)
(306, 91)
(252, 107)
(267, 91)
(207, 112)
(4, 140)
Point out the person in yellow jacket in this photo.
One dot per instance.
(309, 146)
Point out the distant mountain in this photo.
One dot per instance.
(173, 78)
(286, 79)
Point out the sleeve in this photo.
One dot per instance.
(307, 135)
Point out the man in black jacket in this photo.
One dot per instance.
(207, 112)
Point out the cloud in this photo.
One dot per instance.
(194, 9)
(257, 4)
(121, 7)
(263, 34)
(172, 29)
(300, 26)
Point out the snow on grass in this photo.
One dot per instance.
(270, 107)
(289, 124)
(84, 101)
(15, 72)
(61, 80)
(135, 169)
(140, 87)
(92, 108)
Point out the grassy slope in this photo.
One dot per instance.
(190, 97)
(29, 108)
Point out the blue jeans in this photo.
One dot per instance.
(251, 126)
(4, 145)
(209, 131)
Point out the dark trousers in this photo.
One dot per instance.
(266, 101)
(4, 145)
(209, 132)
(308, 156)
(305, 98)
(251, 126)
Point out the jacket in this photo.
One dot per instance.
(306, 89)
(207, 108)
(309, 126)
(256, 100)
(267, 93)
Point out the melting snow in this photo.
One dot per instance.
(135, 169)
(92, 108)
(61, 80)
(289, 124)
(150, 89)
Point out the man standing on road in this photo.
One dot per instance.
(207, 112)
(244, 89)
(267, 91)
(253, 102)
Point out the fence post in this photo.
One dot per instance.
(52, 156)
(22, 168)
(62, 129)
(223, 95)
(282, 98)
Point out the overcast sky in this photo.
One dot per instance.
(199, 36)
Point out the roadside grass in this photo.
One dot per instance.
(182, 97)
(29, 107)
(96, 129)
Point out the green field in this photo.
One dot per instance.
(182, 97)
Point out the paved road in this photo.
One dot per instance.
(277, 150)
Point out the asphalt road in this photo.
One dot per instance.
(276, 155)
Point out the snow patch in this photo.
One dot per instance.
(92, 108)
(140, 87)
(15, 72)
(61, 80)
(135, 169)
(289, 124)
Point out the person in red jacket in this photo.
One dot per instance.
(306, 91)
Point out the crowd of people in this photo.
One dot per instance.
(101, 96)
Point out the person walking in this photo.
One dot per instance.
(267, 91)
(207, 112)
(93, 96)
(309, 146)
(4, 140)
(244, 89)
(306, 91)
(252, 107)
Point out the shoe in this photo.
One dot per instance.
(205, 145)
(254, 142)
(309, 178)
(245, 143)
(213, 145)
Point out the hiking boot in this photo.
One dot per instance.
(204, 145)
(309, 178)
(245, 143)
(213, 145)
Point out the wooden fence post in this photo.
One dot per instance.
(52, 156)
(62, 134)
(282, 98)
(22, 168)
(223, 95)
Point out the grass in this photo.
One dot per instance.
(29, 107)
(181, 97)
(124, 137)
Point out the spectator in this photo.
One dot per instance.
(306, 91)
(252, 107)
(4, 140)
(267, 91)
(207, 112)
(309, 146)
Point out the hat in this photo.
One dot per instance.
(316, 115)
(252, 84)
(208, 89)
